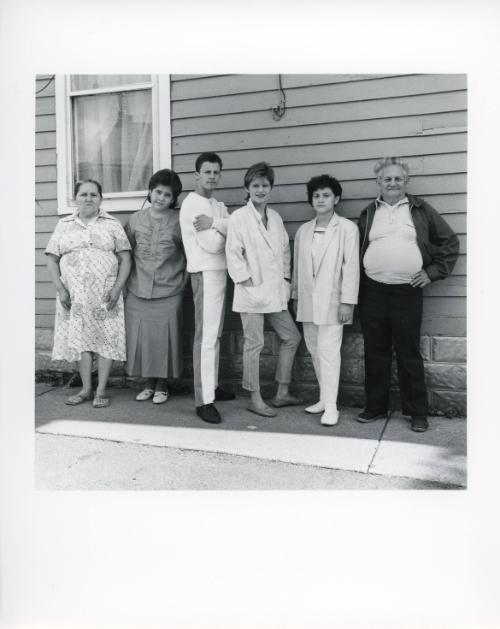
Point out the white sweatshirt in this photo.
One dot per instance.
(205, 250)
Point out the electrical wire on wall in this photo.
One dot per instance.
(279, 110)
(46, 85)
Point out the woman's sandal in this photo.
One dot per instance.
(100, 402)
(145, 394)
(264, 411)
(74, 400)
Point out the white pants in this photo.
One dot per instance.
(209, 290)
(323, 343)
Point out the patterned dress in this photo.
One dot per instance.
(89, 268)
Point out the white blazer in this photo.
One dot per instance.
(337, 277)
(260, 254)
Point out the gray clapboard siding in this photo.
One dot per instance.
(46, 207)
(45, 157)
(322, 133)
(44, 174)
(46, 123)
(315, 114)
(332, 151)
(45, 105)
(41, 240)
(446, 325)
(213, 85)
(45, 140)
(44, 290)
(46, 306)
(186, 102)
(42, 274)
(44, 321)
(46, 190)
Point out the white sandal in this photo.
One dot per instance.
(145, 394)
(160, 397)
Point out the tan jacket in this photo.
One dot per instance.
(337, 278)
(260, 254)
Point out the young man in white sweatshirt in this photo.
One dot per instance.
(203, 222)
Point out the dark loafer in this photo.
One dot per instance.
(223, 396)
(419, 423)
(208, 413)
(366, 417)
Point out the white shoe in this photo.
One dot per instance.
(160, 397)
(331, 415)
(319, 407)
(145, 394)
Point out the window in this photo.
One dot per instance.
(114, 128)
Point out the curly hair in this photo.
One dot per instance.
(320, 182)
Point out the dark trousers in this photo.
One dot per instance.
(392, 314)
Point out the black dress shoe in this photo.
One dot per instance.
(208, 413)
(223, 396)
(419, 423)
(366, 417)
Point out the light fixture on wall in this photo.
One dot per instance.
(279, 110)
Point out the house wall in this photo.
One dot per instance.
(339, 124)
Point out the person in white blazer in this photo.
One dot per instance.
(258, 261)
(325, 287)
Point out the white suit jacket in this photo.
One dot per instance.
(260, 254)
(337, 277)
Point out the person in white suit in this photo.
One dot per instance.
(325, 287)
(258, 261)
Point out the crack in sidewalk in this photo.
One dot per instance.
(379, 441)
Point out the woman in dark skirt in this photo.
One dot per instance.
(153, 307)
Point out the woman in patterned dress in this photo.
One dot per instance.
(88, 257)
(153, 307)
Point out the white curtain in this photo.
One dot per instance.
(96, 81)
(113, 140)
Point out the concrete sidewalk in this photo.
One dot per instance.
(386, 448)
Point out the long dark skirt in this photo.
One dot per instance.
(154, 336)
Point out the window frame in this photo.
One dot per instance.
(161, 132)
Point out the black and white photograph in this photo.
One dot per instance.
(250, 315)
(256, 273)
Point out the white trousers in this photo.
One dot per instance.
(323, 343)
(209, 290)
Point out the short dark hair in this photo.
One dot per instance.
(211, 158)
(320, 182)
(261, 169)
(166, 177)
(79, 184)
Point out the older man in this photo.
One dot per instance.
(405, 245)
